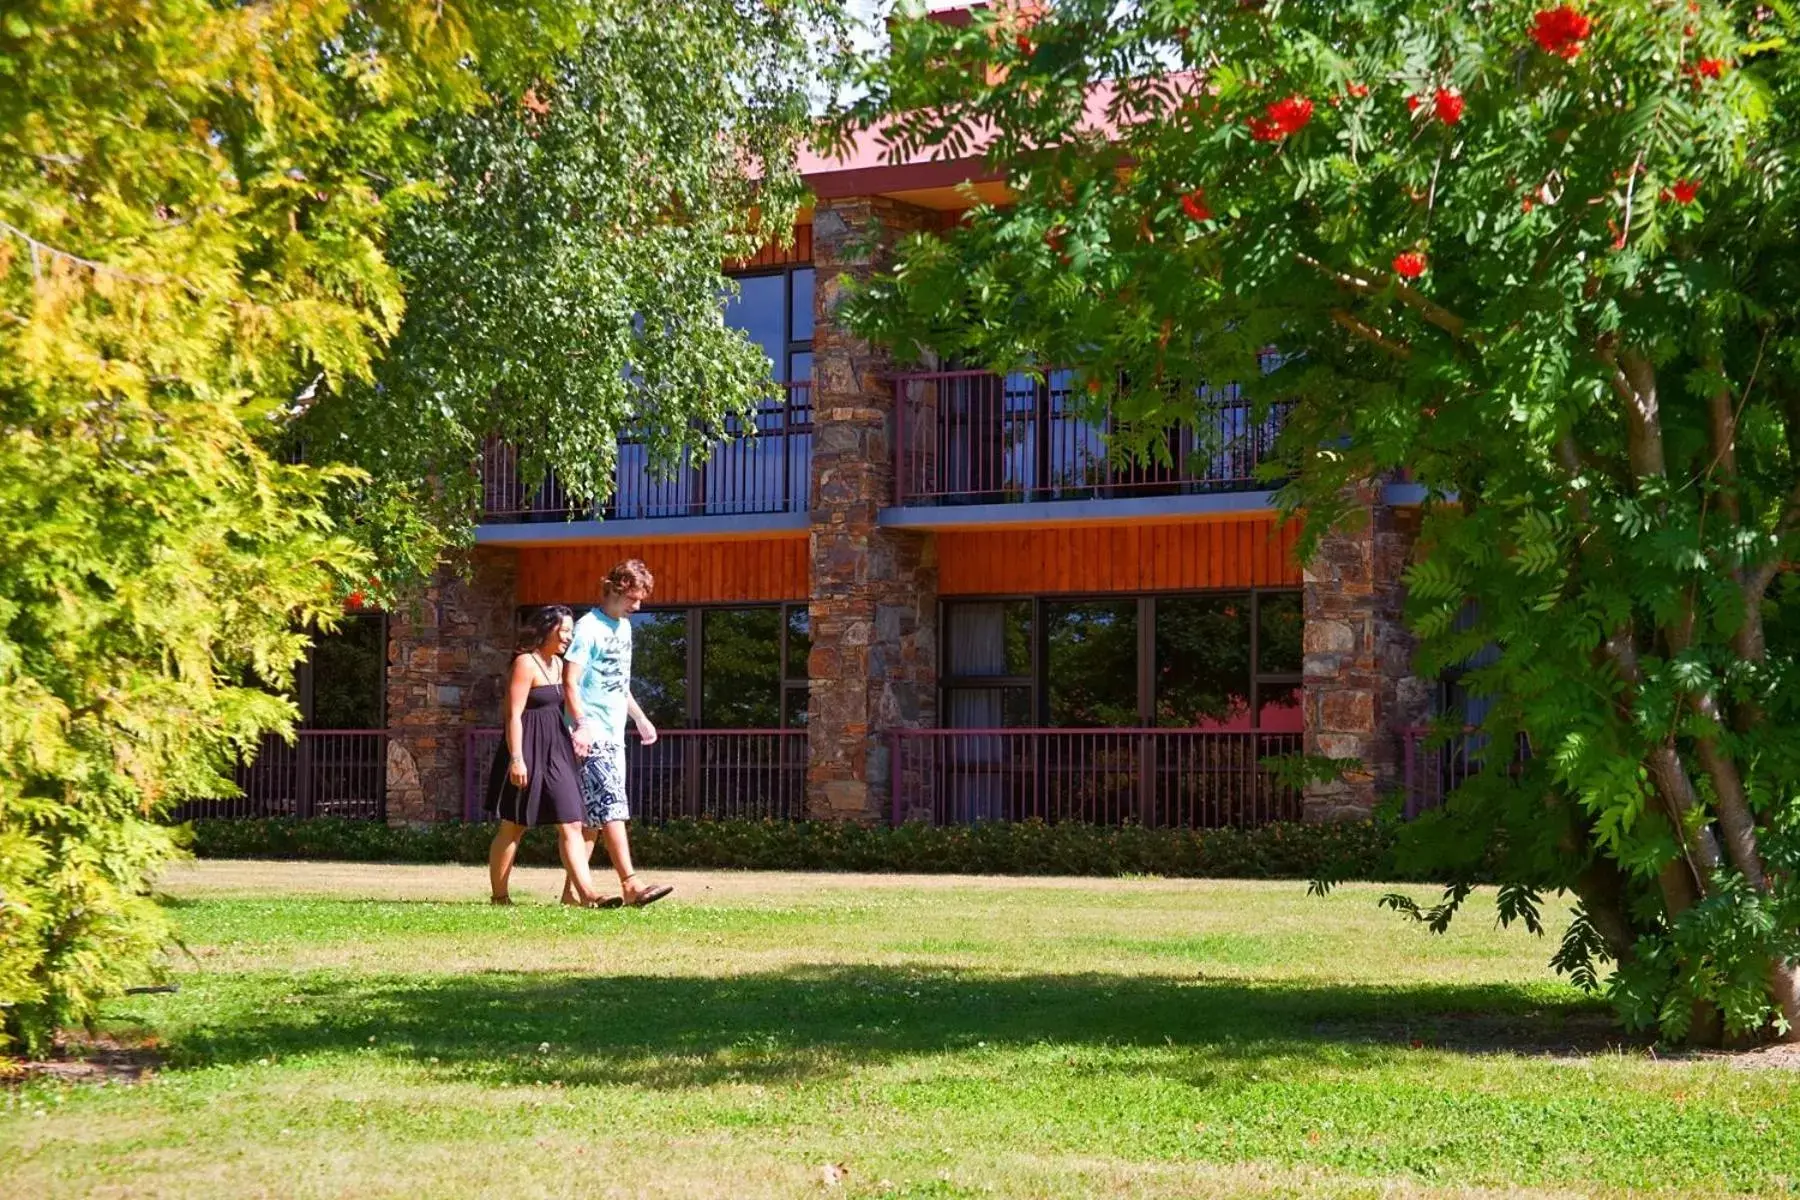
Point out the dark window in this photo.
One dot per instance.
(659, 670)
(1203, 661)
(1209, 660)
(1279, 626)
(1091, 667)
(740, 668)
(720, 668)
(342, 683)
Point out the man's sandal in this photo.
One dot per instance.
(650, 895)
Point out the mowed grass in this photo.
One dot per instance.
(381, 1031)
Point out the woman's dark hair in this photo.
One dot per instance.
(540, 625)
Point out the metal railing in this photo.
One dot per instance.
(971, 437)
(1185, 778)
(1437, 764)
(324, 773)
(716, 773)
(770, 472)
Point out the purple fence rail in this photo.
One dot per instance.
(324, 773)
(1437, 765)
(719, 773)
(1155, 777)
(975, 437)
(770, 472)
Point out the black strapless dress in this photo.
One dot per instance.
(552, 791)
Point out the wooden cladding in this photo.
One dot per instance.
(1118, 558)
(798, 254)
(687, 572)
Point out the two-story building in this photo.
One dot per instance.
(913, 594)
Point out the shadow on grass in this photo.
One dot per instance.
(824, 1021)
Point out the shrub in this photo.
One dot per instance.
(1287, 851)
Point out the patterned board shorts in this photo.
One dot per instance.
(603, 786)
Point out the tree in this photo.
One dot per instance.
(564, 257)
(1541, 256)
(191, 226)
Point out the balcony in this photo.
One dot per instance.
(324, 773)
(1437, 764)
(757, 479)
(1184, 778)
(719, 774)
(970, 444)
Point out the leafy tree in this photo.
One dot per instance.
(563, 254)
(191, 225)
(1542, 256)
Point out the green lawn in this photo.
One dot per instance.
(376, 1031)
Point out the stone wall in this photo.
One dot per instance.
(1360, 691)
(874, 592)
(448, 651)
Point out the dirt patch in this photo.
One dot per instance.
(1779, 1056)
(1555, 1035)
(83, 1059)
(1559, 1037)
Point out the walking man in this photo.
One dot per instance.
(597, 696)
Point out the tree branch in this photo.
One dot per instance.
(1433, 312)
(39, 249)
(1370, 334)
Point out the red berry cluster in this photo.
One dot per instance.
(1282, 118)
(1560, 31)
(1683, 192)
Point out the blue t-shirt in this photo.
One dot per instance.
(601, 653)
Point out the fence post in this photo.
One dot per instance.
(303, 775)
(899, 442)
(381, 745)
(1408, 780)
(1146, 780)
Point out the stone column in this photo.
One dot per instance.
(874, 592)
(448, 652)
(1360, 691)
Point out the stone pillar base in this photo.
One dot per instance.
(1360, 693)
(448, 652)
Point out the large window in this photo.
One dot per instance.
(768, 473)
(776, 310)
(722, 668)
(1213, 660)
(341, 684)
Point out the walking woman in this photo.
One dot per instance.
(534, 780)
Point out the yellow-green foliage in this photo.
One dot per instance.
(190, 233)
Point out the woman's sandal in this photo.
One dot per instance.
(650, 895)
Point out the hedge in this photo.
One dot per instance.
(1284, 851)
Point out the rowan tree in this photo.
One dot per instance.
(1540, 257)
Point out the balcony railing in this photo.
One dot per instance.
(1436, 765)
(324, 773)
(770, 472)
(1156, 777)
(970, 437)
(716, 773)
